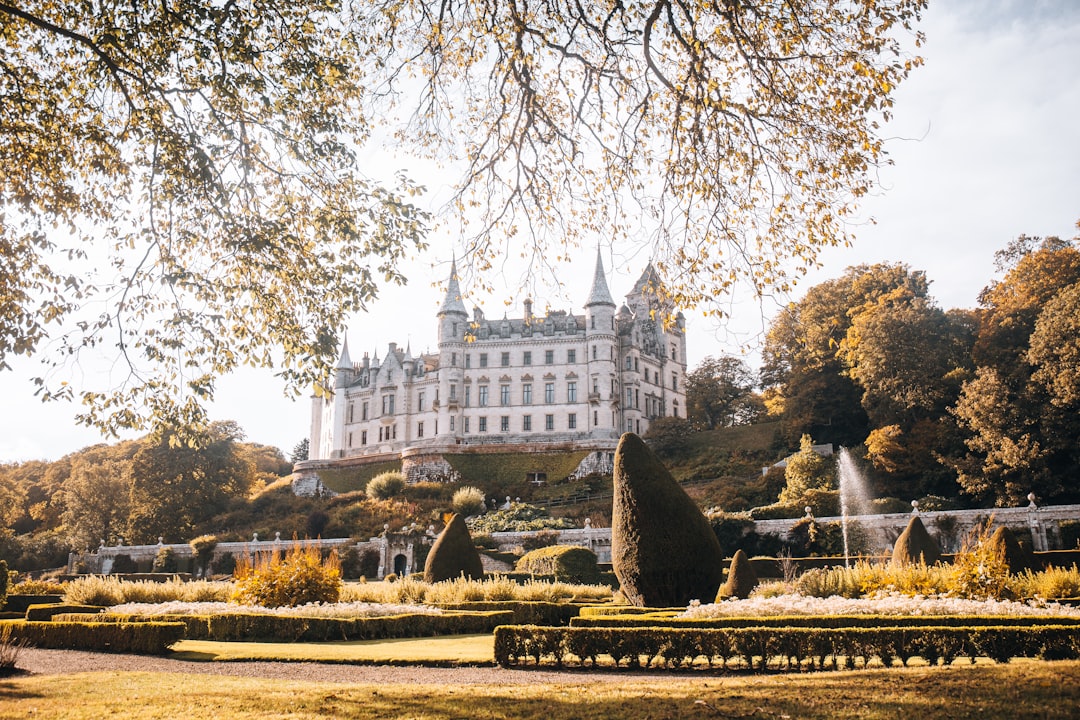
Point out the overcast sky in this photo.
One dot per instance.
(985, 144)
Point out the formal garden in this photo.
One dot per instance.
(673, 605)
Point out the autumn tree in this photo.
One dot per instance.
(1020, 423)
(175, 485)
(97, 502)
(720, 393)
(207, 154)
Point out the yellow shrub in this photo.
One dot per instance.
(298, 577)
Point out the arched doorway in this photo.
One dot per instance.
(401, 564)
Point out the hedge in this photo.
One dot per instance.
(20, 603)
(46, 611)
(609, 610)
(142, 638)
(821, 621)
(525, 612)
(281, 628)
(788, 648)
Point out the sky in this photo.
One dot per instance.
(985, 145)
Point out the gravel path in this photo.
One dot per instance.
(60, 662)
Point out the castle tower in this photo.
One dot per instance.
(602, 356)
(453, 323)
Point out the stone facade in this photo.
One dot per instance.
(552, 383)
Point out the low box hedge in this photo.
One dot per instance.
(20, 603)
(821, 621)
(609, 610)
(788, 648)
(143, 638)
(278, 628)
(525, 612)
(44, 612)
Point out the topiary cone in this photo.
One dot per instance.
(663, 550)
(915, 545)
(741, 578)
(1016, 555)
(453, 554)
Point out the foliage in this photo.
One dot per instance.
(297, 577)
(806, 470)
(174, 487)
(202, 548)
(9, 651)
(503, 474)
(730, 529)
(453, 554)
(4, 581)
(165, 561)
(663, 549)
(981, 568)
(140, 638)
(741, 578)
(519, 517)
(809, 538)
(1017, 557)
(720, 392)
(567, 563)
(385, 485)
(300, 451)
(915, 545)
(668, 436)
(108, 590)
(468, 501)
(122, 564)
(793, 649)
(459, 590)
(1050, 583)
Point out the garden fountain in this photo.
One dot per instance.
(854, 495)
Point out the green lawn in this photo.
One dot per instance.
(447, 650)
(987, 692)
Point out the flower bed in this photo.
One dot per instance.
(881, 604)
(317, 610)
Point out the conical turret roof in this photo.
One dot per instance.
(344, 362)
(452, 302)
(599, 294)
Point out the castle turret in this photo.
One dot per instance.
(602, 352)
(453, 321)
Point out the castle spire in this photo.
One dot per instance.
(599, 294)
(344, 362)
(452, 302)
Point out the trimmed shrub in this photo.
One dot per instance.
(1017, 557)
(741, 578)
(567, 563)
(663, 549)
(143, 638)
(915, 545)
(202, 548)
(468, 501)
(385, 485)
(453, 555)
(47, 611)
(122, 564)
(299, 577)
(165, 561)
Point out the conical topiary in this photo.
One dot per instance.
(741, 578)
(915, 545)
(1016, 555)
(663, 550)
(453, 554)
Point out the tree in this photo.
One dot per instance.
(175, 486)
(215, 161)
(806, 470)
(1054, 349)
(300, 452)
(720, 393)
(97, 502)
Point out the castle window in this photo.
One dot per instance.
(526, 423)
(596, 418)
(637, 399)
(571, 357)
(629, 362)
(351, 408)
(483, 394)
(674, 353)
(393, 431)
(466, 425)
(504, 394)
(468, 361)
(549, 392)
(505, 359)
(526, 394)
(635, 365)
(453, 359)
(593, 352)
(592, 322)
(527, 360)
(549, 422)
(388, 405)
(453, 391)
(596, 386)
(468, 395)
(350, 439)
(483, 424)
(363, 437)
(420, 402)
(419, 430)
(549, 357)
(452, 423)
(454, 325)
(364, 412)
(674, 381)
(571, 392)
(483, 359)
(629, 425)
(571, 421)
(629, 398)
(675, 408)
(504, 423)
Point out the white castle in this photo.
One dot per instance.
(557, 383)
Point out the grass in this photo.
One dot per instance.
(1018, 690)
(446, 650)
